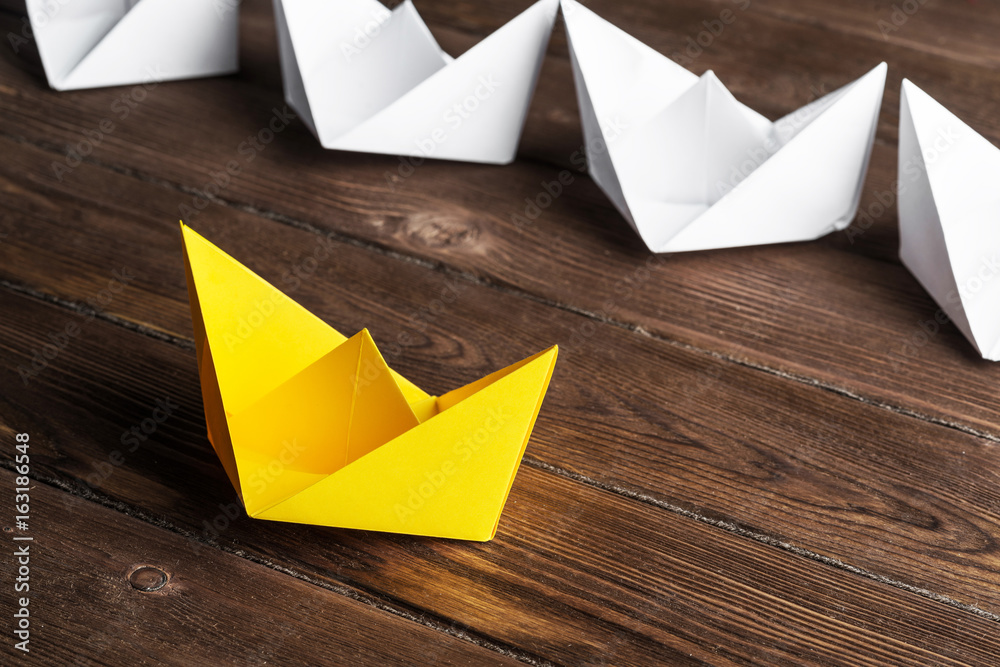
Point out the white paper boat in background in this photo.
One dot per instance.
(949, 215)
(691, 168)
(366, 79)
(95, 43)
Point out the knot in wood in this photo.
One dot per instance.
(148, 578)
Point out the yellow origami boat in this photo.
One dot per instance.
(313, 427)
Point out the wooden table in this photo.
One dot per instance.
(766, 455)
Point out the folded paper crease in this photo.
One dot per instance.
(949, 215)
(96, 43)
(372, 80)
(314, 427)
(691, 168)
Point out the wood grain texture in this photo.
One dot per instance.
(805, 310)
(577, 574)
(215, 608)
(746, 456)
(797, 462)
(957, 31)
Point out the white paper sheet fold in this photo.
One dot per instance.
(95, 43)
(949, 215)
(691, 168)
(370, 80)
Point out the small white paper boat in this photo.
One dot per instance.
(96, 43)
(370, 80)
(691, 168)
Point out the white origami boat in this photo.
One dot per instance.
(691, 168)
(95, 43)
(949, 215)
(366, 79)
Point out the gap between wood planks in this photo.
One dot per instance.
(402, 609)
(468, 277)
(356, 592)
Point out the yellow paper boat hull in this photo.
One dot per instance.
(313, 427)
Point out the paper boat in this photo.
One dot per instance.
(949, 215)
(367, 79)
(313, 427)
(691, 168)
(94, 43)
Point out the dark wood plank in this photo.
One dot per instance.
(799, 50)
(756, 306)
(631, 412)
(788, 70)
(960, 31)
(215, 608)
(576, 575)
(668, 490)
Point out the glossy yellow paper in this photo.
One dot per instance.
(313, 427)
